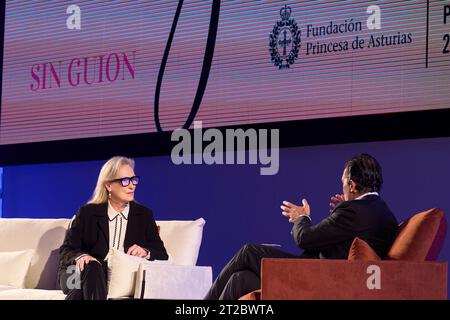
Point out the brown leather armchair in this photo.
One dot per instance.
(409, 271)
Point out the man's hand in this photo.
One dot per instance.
(293, 211)
(136, 250)
(335, 200)
(84, 260)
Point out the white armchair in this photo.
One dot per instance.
(182, 240)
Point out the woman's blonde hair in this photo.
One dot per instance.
(108, 173)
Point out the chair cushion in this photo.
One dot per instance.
(122, 272)
(420, 238)
(14, 267)
(4, 288)
(182, 239)
(31, 294)
(361, 250)
(45, 236)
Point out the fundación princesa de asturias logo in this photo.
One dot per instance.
(284, 43)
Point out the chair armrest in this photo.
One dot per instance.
(254, 295)
(165, 281)
(307, 279)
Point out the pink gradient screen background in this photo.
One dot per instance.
(244, 87)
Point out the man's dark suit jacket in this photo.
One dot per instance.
(369, 218)
(89, 233)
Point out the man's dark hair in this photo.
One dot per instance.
(365, 171)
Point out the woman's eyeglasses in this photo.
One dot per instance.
(126, 181)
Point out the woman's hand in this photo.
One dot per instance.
(293, 211)
(84, 260)
(138, 251)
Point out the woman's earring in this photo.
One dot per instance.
(109, 194)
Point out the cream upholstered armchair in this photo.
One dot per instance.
(29, 253)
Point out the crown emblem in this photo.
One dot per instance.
(284, 40)
(285, 12)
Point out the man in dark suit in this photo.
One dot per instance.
(111, 220)
(358, 212)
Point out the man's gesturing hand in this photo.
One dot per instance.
(293, 211)
(335, 200)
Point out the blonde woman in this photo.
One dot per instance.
(111, 219)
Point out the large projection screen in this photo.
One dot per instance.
(81, 69)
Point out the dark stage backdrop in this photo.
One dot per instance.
(237, 203)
